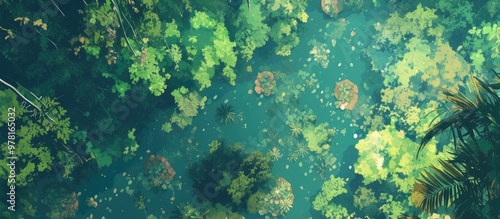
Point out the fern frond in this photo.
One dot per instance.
(438, 187)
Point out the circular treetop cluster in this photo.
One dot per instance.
(265, 83)
(346, 93)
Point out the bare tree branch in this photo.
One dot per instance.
(58, 8)
(121, 24)
(28, 101)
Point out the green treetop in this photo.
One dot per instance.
(417, 23)
(35, 155)
(252, 30)
(188, 102)
(285, 16)
(323, 201)
(208, 46)
(240, 187)
(318, 137)
(483, 43)
(387, 155)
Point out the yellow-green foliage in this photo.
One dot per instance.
(394, 208)
(181, 120)
(214, 146)
(329, 190)
(145, 67)
(414, 79)
(372, 153)
(335, 211)
(483, 42)
(208, 46)
(417, 23)
(317, 137)
(9, 100)
(286, 39)
(149, 4)
(33, 152)
(202, 19)
(172, 30)
(104, 155)
(151, 25)
(287, 8)
(258, 165)
(426, 117)
(388, 155)
(400, 96)
(131, 145)
(188, 102)
(166, 127)
(437, 64)
(174, 50)
(254, 203)
(364, 197)
(240, 187)
(98, 20)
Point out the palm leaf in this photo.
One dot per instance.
(468, 115)
(438, 187)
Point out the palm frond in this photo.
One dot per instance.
(488, 101)
(495, 189)
(496, 84)
(469, 181)
(438, 187)
(468, 115)
(464, 209)
(225, 113)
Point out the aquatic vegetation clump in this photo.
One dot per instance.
(275, 154)
(289, 90)
(186, 211)
(188, 105)
(302, 149)
(265, 83)
(295, 128)
(325, 164)
(214, 145)
(293, 157)
(332, 7)
(157, 173)
(320, 53)
(280, 200)
(346, 93)
(225, 113)
(188, 102)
